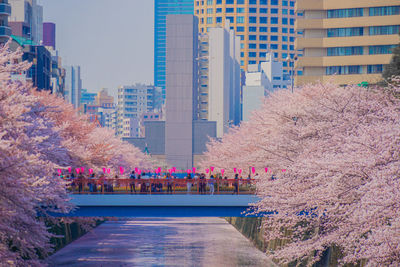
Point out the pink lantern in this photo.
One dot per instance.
(283, 170)
(170, 171)
(188, 171)
(108, 170)
(253, 170)
(82, 169)
(222, 171)
(77, 170)
(90, 171)
(240, 171)
(136, 169)
(69, 169)
(234, 170)
(121, 170)
(59, 171)
(174, 169)
(207, 171)
(194, 170)
(159, 170)
(266, 169)
(212, 168)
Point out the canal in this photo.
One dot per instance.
(161, 242)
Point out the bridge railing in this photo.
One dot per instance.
(161, 186)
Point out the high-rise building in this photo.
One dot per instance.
(26, 19)
(73, 85)
(87, 97)
(262, 79)
(161, 9)
(352, 40)
(181, 88)
(132, 102)
(49, 34)
(5, 12)
(219, 90)
(103, 99)
(262, 25)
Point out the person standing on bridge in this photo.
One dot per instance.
(189, 183)
(211, 184)
(132, 183)
(169, 183)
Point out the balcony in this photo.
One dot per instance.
(5, 9)
(5, 31)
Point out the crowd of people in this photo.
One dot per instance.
(151, 182)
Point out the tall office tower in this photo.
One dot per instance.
(5, 12)
(49, 34)
(27, 19)
(73, 85)
(132, 102)
(350, 39)
(262, 25)
(181, 88)
(161, 9)
(219, 90)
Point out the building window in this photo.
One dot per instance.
(274, 2)
(252, 29)
(252, 37)
(252, 10)
(375, 68)
(209, 20)
(252, 62)
(273, 38)
(209, 10)
(274, 20)
(252, 46)
(263, 20)
(381, 49)
(209, 2)
(345, 13)
(240, 2)
(274, 11)
(263, 29)
(345, 51)
(253, 2)
(263, 37)
(263, 46)
(343, 70)
(274, 46)
(343, 32)
(284, 21)
(384, 30)
(252, 19)
(239, 29)
(240, 20)
(252, 54)
(230, 19)
(263, 10)
(263, 54)
(240, 10)
(384, 11)
(229, 10)
(218, 10)
(218, 19)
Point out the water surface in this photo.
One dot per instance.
(161, 242)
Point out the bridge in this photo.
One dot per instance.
(182, 205)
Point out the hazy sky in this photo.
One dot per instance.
(112, 40)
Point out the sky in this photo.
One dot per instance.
(112, 40)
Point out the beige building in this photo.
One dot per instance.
(262, 25)
(103, 99)
(351, 39)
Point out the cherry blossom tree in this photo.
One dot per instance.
(40, 133)
(336, 154)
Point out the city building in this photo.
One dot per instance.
(5, 13)
(156, 115)
(49, 34)
(73, 85)
(57, 81)
(219, 90)
(26, 19)
(348, 42)
(262, 79)
(161, 9)
(41, 70)
(262, 25)
(107, 117)
(133, 101)
(103, 99)
(87, 97)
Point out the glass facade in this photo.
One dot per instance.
(384, 11)
(345, 51)
(161, 9)
(345, 13)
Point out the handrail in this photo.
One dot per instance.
(157, 186)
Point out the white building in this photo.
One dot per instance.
(108, 117)
(260, 81)
(132, 102)
(73, 85)
(222, 78)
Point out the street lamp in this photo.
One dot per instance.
(289, 60)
